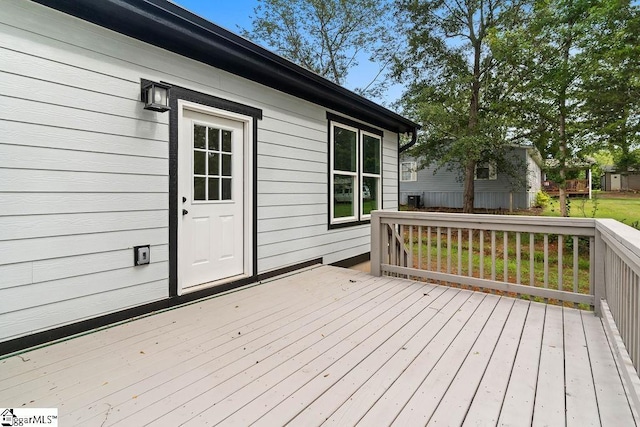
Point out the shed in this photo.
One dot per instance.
(442, 188)
(615, 180)
(111, 210)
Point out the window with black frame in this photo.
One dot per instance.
(356, 173)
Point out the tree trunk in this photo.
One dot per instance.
(469, 190)
(474, 105)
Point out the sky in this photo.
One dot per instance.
(236, 14)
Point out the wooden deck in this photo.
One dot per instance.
(336, 347)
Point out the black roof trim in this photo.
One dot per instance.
(169, 26)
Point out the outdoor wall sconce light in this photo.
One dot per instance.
(155, 96)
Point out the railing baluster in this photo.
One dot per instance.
(576, 263)
(410, 260)
(429, 248)
(546, 260)
(482, 254)
(592, 264)
(459, 251)
(493, 255)
(386, 247)
(532, 272)
(636, 324)
(448, 250)
(505, 255)
(438, 252)
(419, 247)
(470, 272)
(393, 245)
(518, 255)
(560, 247)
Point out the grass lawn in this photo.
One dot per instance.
(484, 267)
(624, 209)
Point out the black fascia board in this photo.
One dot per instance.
(169, 26)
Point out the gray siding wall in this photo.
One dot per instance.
(84, 171)
(442, 188)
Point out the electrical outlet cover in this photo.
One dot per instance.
(141, 255)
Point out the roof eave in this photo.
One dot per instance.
(169, 26)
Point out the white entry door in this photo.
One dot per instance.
(211, 199)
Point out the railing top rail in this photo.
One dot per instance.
(469, 220)
(625, 238)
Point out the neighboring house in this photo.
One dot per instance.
(443, 189)
(580, 187)
(614, 180)
(259, 166)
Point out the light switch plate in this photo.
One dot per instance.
(141, 255)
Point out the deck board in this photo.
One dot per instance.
(519, 399)
(330, 346)
(549, 407)
(582, 406)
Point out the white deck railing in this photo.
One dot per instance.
(594, 263)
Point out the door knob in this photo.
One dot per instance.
(184, 199)
(184, 211)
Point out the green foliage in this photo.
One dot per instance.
(324, 36)
(454, 91)
(542, 200)
(610, 83)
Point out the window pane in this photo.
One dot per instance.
(371, 154)
(344, 154)
(370, 200)
(226, 164)
(226, 141)
(199, 140)
(214, 164)
(199, 158)
(482, 172)
(214, 139)
(198, 189)
(226, 189)
(343, 197)
(214, 189)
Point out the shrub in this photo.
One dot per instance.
(542, 200)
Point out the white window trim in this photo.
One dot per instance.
(363, 216)
(493, 173)
(358, 175)
(333, 173)
(413, 169)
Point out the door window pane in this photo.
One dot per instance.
(199, 140)
(226, 141)
(214, 189)
(199, 158)
(214, 163)
(199, 188)
(226, 165)
(344, 153)
(226, 189)
(214, 139)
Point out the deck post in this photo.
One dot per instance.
(376, 243)
(598, 255)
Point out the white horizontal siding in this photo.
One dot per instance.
(15, 251)
(84, 170)
(67, 203)
(37, 135)
(36, 319)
